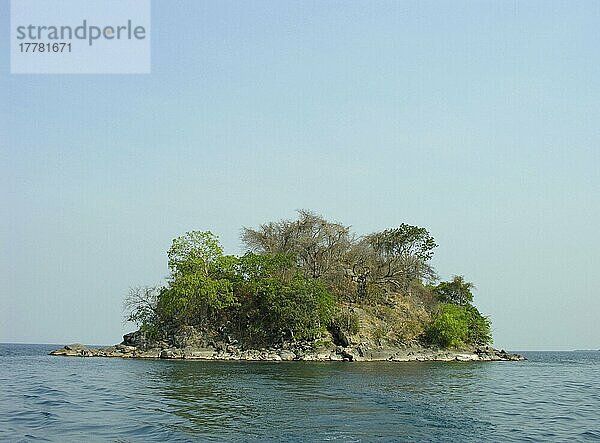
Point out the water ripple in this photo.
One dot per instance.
(553, 396)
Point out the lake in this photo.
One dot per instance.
(551, 396)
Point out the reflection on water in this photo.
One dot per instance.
(552, 396)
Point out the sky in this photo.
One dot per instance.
(476, 120)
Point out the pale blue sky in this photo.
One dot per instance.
(478, 120)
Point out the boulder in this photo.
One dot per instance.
(339, 337)
(170, 353)
(287, 355)
(187, 336)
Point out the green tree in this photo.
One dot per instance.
(278, 302)
(480, 327)
(193, 299)
(456, 291)
(195, 251)
(458, 326)
(200, 289)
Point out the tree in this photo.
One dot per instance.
(196, 300)
(458, 326)
(278, 302)
(317, 245)
(480, 327)
(404, 241)
(456, 291)
(392, 259)
(449, 328)
(141, 305)
(200, 288)
(192, 252)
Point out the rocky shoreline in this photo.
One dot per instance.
(290, 352)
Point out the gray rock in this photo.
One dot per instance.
(287, 355)
(202, 354)
(170, 353)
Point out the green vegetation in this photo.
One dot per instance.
(313, 281)
(456, 291)
(347, 321)
(456, 326)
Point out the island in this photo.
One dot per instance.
(305, 289)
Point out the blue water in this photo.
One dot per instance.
(554, 396)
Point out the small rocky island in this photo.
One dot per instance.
(306, 289)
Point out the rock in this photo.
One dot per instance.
(466, 357)
(347, 356)
(138, 339)
(232, 349)
(187, 336)
(287, 355)
(201, 354)
(339, 337)
(132, 338)
(125, 349)
(199, 346)
(151, 353)
(170, 353)
(377, 353)
(362, 349)
(61, 351)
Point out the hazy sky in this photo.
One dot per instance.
(477, 120)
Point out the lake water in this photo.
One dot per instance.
(554, 396)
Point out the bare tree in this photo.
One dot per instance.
(392, 259)
(318, 245)
(141, 305)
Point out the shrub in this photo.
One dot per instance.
(347, 321)
(379, 333)
(480, 327)
(457, 326)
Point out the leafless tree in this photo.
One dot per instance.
(141, 304)
(318, 245)
(392, 259)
